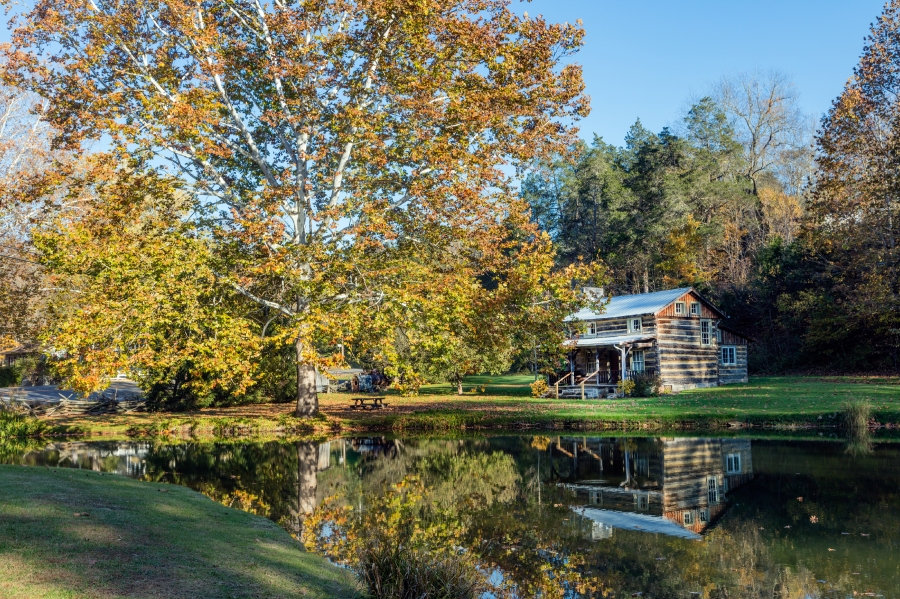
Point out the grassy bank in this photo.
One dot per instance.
(75, 534)
(505, 402)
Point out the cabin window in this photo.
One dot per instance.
(712, 490)
(729, 355)
(596, 498)
(637, 360)
(634, 325)
(679, 309)
(695, 308)
(641, 501)
(688, 518)
(705, 332)
(703, 516)
(591, 328)
(733, 463)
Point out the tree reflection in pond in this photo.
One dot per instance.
(569, 516)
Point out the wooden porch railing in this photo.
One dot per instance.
(585, 379)
(600, 378)
(561, 380)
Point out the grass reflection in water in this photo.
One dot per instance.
(564, 516)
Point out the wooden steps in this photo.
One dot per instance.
(590, 391)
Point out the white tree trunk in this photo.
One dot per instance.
(307, 398)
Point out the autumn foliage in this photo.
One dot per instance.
(346, 166)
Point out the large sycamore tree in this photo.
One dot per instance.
(339, 153)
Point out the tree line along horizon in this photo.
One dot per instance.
(279, 185)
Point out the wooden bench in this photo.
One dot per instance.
(368, 403)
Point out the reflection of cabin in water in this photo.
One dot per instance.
(676, 334)
(671, 486)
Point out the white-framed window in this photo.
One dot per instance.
(637, 360)
(733, 463)
(596, 498)
(679, 309)
(688, 518)
(641, 501)
(729, 355)
(695, 308)
(705, 332)
(703, 516)
(591, 328)
(712, 490)
(634, 325)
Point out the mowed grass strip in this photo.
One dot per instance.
(765, 400)
(506, 402)
(67, 534)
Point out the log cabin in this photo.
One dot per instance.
(676, 334)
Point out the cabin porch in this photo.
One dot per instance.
(596, 370)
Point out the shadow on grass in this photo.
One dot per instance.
(144, 540)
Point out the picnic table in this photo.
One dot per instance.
(368, 403)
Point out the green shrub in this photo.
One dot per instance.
(645, 385)
(32, 370)
(14, 425)
(10, 376)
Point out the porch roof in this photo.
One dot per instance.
(607, 341)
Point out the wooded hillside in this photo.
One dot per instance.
(790, 226)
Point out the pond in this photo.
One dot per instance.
(568, 515)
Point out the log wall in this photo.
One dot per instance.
(615, 327)
(735, 373)
(683, 362)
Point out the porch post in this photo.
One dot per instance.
(622, 353)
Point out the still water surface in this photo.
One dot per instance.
(663, 517)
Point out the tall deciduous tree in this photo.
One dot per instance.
(765, 115)
(25, 154)
(346, 146)
(855, 210)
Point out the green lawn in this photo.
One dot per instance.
(143, 540)
(516, 385)
(505, 402)
(765, 400)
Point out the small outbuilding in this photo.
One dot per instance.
(676, 334)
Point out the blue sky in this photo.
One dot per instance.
(646, 58)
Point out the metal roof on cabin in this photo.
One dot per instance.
(623, 306)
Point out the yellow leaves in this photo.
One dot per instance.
(782, 213)
(146, 301)
(681, 255)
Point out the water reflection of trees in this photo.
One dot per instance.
(500, 498)
(506, 515)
